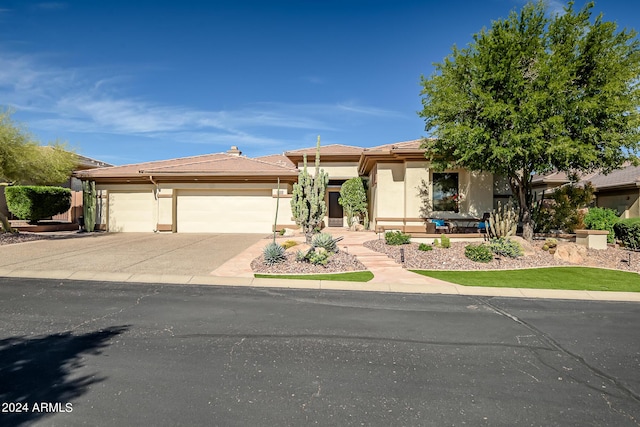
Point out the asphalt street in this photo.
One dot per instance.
(94, 353)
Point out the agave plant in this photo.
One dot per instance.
(273, 254)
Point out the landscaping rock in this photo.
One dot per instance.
(303, 247)
(289, 232)
(570, 252)
(527, 247)
(356, 227)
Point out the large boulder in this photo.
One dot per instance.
(289, 232)
(570, 252)
(356, 227)
(303, 247)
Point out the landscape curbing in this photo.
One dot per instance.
(437, 289)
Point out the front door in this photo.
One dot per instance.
(336, 215)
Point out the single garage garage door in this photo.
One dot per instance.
(131, 211)
(225, 211)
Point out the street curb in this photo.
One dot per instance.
(439, 289)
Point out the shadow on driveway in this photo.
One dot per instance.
(41, 369)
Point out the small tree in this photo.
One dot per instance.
(353, 199)
(307, 202)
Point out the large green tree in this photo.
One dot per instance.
(24, 161)
(536, 93)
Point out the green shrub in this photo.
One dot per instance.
(506, 247)
(602, 219)
(301, 256)
(445, 242)
(396, 238)
(319, 257)
(37, 202)
(436, 243)
(425, 247)
(273, 254)
(289, 244)
(326, 241)
(628, 232)
(478, 253)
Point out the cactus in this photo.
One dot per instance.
(273, 254)
(326, 241)
(89, 205)
(503, 222)
(307, 204)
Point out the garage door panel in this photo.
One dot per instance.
(225, 211)
(130, 211)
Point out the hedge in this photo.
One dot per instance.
(628, 232)
(34, 202)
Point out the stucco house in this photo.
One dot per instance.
(229, 192)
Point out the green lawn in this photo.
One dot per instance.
(573, 278)
(354, 276)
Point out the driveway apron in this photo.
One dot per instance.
(176, 254)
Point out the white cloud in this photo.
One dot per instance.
(83, 101)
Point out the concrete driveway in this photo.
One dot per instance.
(158, 254)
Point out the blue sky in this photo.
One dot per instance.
(132, 81)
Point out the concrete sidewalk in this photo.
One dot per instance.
(182, 259)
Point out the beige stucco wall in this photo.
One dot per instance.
(396, 192)
(627, 203)
(390, 190)
(336, 170)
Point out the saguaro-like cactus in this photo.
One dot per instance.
(89, 205)
(503, 222)
(307, 202)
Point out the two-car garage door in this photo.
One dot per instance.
(224, 211)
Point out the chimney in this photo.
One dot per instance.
(233, 151)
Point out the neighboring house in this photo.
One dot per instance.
(229, 192)
(618, 190)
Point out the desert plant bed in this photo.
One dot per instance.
(352, 276)
(11, 238)
(339, 262)
(454, 258)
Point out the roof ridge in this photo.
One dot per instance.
(324, 146)
(196, 162)
(163, 160)
(273, 164)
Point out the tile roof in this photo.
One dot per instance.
(278, 159)
(218, 164)
(627, 176)
(404, 145)
(327, 150)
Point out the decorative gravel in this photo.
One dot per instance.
(453, 258)
(338, 263)
(11, 238)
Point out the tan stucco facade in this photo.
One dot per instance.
(626, 202)
(240, 197)
(398, 191)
